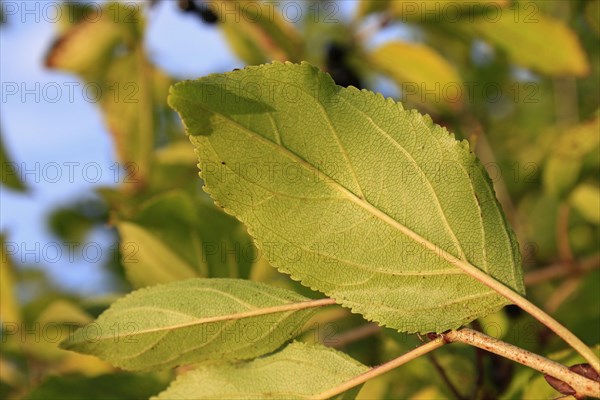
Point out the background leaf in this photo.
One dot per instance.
(567, 157)
(10, 170)
(351, 194)
(9, 306)
(297, 372)
(175, 236)
(125, 386)
(257, 32)
(191, 321)
(524, 34)
(586, 199)
(420, 71)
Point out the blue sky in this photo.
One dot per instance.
(67, 136)
(60, 138)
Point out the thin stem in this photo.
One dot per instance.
(579, 383)
(558, 270)
(353, 335)
(532, 309)
(562, 235)
(562, 293)
(445, 376)
(500, 288)
(479, 355)
(381, 369)
(302, 305)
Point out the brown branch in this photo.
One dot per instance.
(562, 235)
(353, 335)
(582, 385)
(558, 270)
(562, 293)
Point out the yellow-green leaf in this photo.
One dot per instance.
(195, 320)
(257, 32)
(533, 40)
(424, 77)
(585, 198)
(371, 204)
(175, 236)
(147, 260)
(563, 166)
(299, 371)
(9, 307)
(10, 170)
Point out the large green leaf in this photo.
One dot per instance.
(371, 204)
(190, 321)
(297, 372)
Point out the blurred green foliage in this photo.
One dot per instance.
(518, 79)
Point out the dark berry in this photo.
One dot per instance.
(207, 15)
(335, 62)
(187, 5)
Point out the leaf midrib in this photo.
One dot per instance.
(464, 265)
(246, 314)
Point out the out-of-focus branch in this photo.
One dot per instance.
(353, 335)
(562, 235)
(582, 386)
(559, 270)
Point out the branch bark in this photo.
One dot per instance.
(381, 369)
(580, 384)
(559, 270)
(583, 386)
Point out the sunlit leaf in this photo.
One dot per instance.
(61, 311)
(348, 192)
(525, 35)
(299, 371)
(565, 160)
(425, 11)
(585, 198)
(10, 374)
(190, 321)
(72, 52)
(179, 152)
(118, 77)
(257, 32)
(9, 307)
(424, 76)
